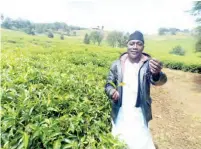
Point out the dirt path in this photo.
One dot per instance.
(176, 108)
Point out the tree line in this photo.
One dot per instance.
(171, 31)
(39, 28)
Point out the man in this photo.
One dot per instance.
(128, 87)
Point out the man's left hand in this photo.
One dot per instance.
(155, 66)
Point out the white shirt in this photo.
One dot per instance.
(130, 80)
(130, 125)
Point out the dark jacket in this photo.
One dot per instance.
(145, 78)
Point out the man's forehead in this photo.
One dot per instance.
(135, 41)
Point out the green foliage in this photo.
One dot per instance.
(53, 96)
(182, 66)
(96, 37)
(172, 31)
(178, 50)
(30, 27)
(50, 34)
(117, 39)
(74, 33)
(197, 32)
(86, 39)
(111, 39)
(52, 91)
(68, 32)
(196, 11)
(198, 45)
(2, 17)
(7, 23)
(29, 31)
(62, 36)
(162, 31)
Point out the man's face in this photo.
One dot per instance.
(135, 48)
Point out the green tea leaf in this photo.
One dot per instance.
(25, 140)
(57, 144)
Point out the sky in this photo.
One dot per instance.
(123, 15)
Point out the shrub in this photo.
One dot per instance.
(178, 50)
(198, 46)
(86, 39)
(62, 37)
(50, 35)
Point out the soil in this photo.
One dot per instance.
(176, 110)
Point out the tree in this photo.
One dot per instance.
(32, 28)
(174, 31)
(178, 50)
(198, 45)
(122, 39)
(111, 39)
(99, 37)
(186, 31)
(7, 23)
(68, 32)
(93, 36)
(96, 36)
(30, 31)
(162, 31)
(86, 39)
(197, 32)
(117, 39)
(196, 11)
(50, 34)
(2, 17)
(62, 36)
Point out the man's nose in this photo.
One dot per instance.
(135, 45)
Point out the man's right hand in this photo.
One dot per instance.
(115, 95)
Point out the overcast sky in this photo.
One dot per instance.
(124, 15)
